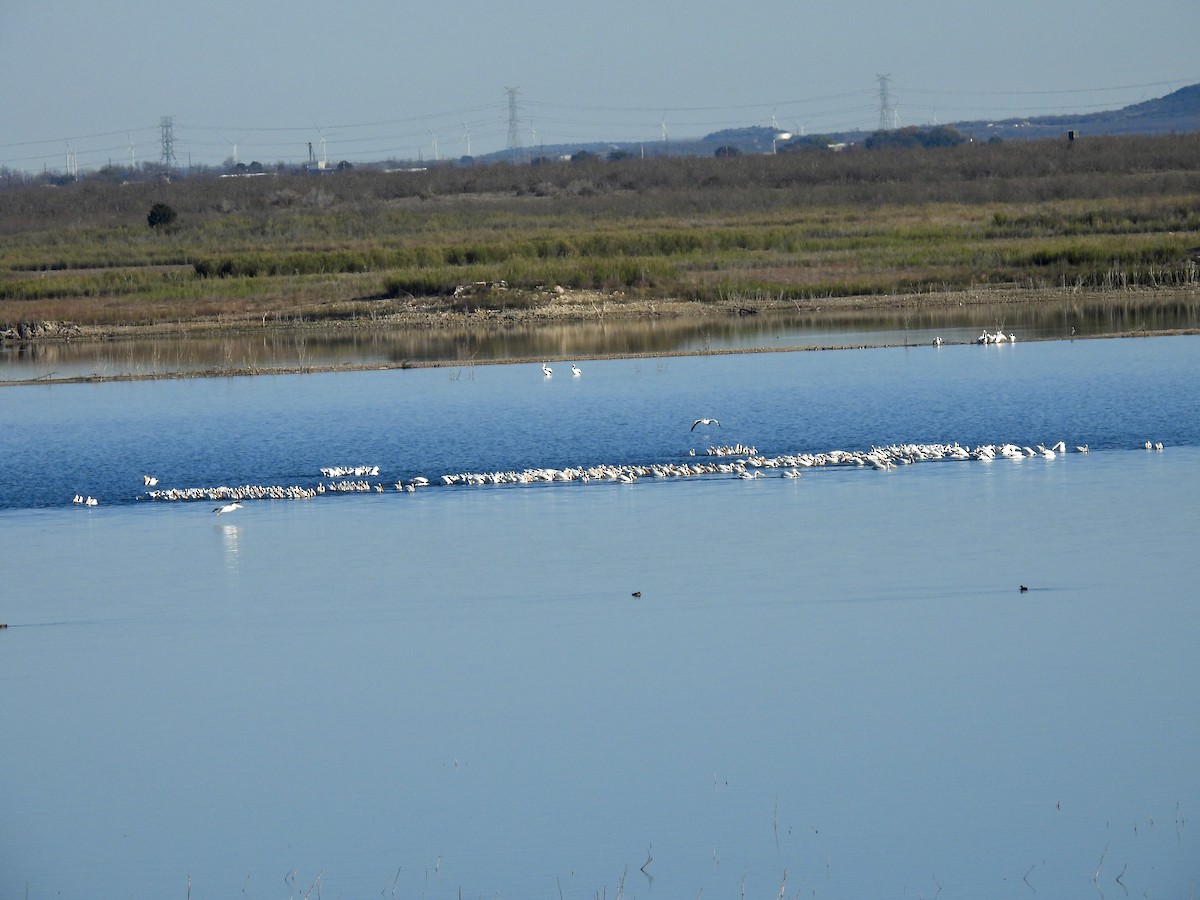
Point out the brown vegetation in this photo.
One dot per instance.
(1106, 213)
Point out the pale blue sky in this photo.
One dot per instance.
(396, 79)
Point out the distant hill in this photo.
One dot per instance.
(1176, 113)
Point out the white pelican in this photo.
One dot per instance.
(546, 370)
(228, 507)
(150, 480)
(704, 422)
(575, 370)
(1083, 448)
(1149, 446)
(78, 499)
(1158, 445)
(91, 501)
(937, 341)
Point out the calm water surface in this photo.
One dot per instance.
(1085, 316)
(830, 686)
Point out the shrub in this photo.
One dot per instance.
(160, 216)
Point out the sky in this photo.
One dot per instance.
(91, 81)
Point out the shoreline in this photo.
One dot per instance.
(565, 307)
(252, 372)
(560, 305)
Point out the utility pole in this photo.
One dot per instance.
(514, 122)
(167, 126)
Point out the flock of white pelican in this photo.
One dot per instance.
(349, 471)
(736, 461)
(998, 338)
(729, 450)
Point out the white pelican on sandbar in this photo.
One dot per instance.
(546, 370)
(575, 369)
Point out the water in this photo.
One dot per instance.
(829, 686)
(270, 348)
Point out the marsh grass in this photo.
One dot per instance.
(1107, 214)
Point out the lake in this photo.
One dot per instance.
(828, 686)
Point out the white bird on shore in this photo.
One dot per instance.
(937, 341)
(228, 507)
(704, 422)
(91, 501)
(150, 480)
(575, 370)
(546, 370)
(1083, 448)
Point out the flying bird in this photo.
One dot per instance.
(705, 422)
(228, 507)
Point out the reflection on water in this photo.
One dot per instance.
(230, 541)
(271, 348)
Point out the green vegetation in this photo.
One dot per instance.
(1102, 213)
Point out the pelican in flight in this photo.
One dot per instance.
(575, 370)
(704, 422)
(546, 370)
(228, 507)
(150, 480)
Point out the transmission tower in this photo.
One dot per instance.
(887, 112)
(514, 122)
(167, 125)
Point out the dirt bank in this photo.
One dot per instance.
(496, 306)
